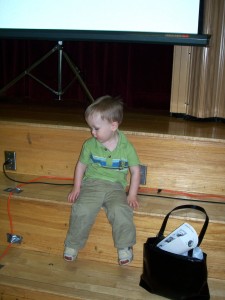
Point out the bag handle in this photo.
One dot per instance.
(195, 207)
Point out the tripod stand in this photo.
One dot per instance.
(60, 91)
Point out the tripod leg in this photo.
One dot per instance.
(27, 71)
(11, 83)
(59, 93)
(60, 53)
(76, 72)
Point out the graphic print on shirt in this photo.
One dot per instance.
(117, 163)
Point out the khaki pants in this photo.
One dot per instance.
(94, 195)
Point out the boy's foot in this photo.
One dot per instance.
(125, 256)
(70, 254)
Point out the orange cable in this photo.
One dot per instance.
(8, 205)
(190, 195)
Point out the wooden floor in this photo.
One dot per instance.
(59, 280)
(154, 122)
(70, 279)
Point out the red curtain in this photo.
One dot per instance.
(140, 73)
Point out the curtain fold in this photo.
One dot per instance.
(207, 76)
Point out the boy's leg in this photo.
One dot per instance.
(83, 214)
(120, 216)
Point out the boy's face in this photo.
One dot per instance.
(102, 130)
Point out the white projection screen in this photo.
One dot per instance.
(163, 21)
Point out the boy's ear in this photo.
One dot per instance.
(115, 125)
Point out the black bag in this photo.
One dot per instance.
(171, 275)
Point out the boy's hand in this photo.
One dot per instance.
(73, 195)
(132, 198)
(133, 201)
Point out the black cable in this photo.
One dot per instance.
(141, 194)
(30, 182)
(180, 198)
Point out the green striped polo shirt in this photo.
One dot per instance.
(108, 165)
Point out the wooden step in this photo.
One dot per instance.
(35, 275)
(56, 279)
(40, 214)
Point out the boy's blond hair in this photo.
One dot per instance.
(110, 109)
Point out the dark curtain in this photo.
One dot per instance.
(139, 73)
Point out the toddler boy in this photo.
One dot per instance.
(100, 181)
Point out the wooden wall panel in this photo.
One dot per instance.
(43, 150)
(182, 164)
(176, 163)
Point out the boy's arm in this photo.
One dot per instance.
(134, 185)
(78, 176)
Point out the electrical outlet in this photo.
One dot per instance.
(143, 170)
(11, 155)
